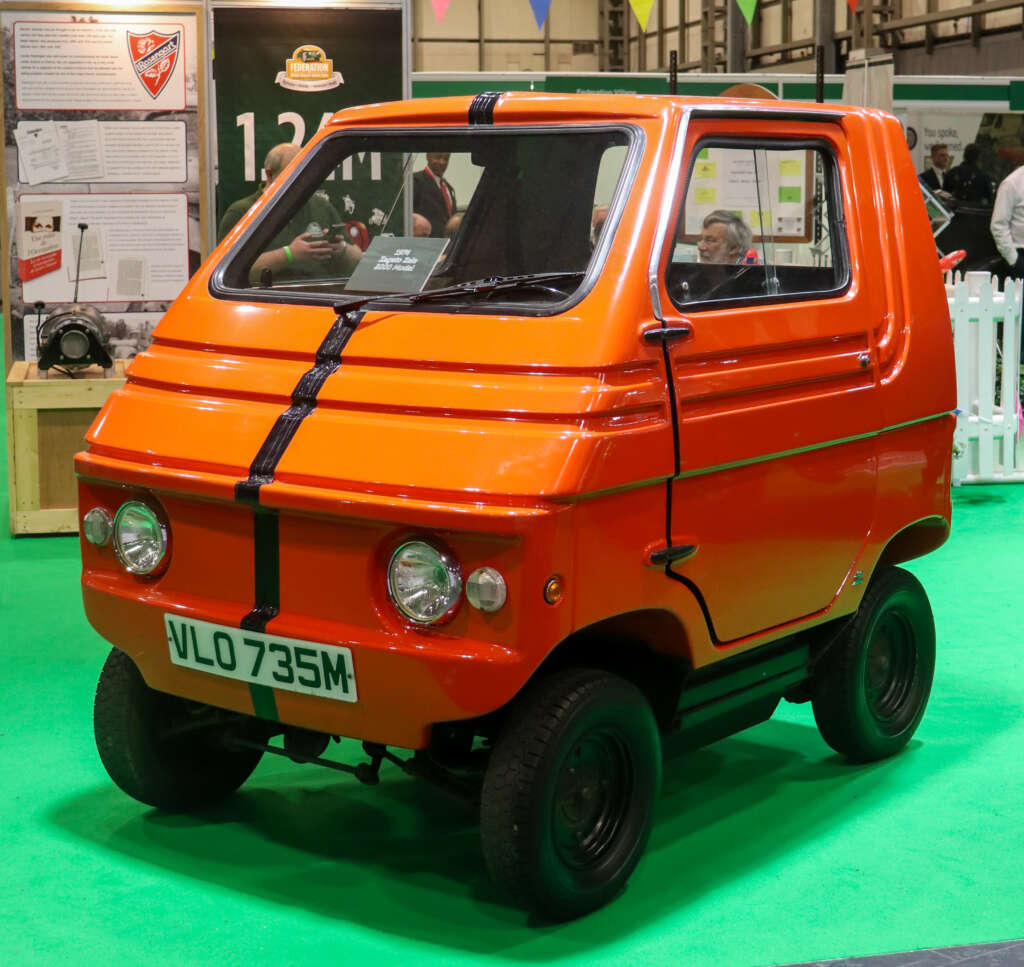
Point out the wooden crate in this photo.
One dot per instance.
(48, 419)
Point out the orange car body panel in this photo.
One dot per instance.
(810, 435)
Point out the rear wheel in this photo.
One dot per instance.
(569, 792)
(163, 750)
(870, 689)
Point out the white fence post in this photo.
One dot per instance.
(986, 441)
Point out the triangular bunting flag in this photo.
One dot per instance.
(852, 4)
(440, 8)
(642, 11)
(540, 11)
(747, 7)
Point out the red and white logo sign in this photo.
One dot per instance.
(154, 57)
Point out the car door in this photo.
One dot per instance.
(774, 381)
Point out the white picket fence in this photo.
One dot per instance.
(987, 442)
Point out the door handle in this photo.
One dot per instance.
(662, 554)
(667, 334)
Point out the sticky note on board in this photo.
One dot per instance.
(790, 194)
(705, 196)
(789, 167)
(704, 169)
(757, 219)
(703, 153)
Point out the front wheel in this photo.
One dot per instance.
(569, 792)
(870, 688)
(163, 750)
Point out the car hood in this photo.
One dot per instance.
(421, 403)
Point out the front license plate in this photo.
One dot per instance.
(261, 659)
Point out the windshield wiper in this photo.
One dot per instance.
(461, 290)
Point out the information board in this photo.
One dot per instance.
(396, 264)
(770, 190)
(103, 114)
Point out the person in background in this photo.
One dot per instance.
(276, 161)
(967, 183)
(935, 175)
(724, 238)
(420, 226)
(1007, 223)
(302, 246)
(432, 196)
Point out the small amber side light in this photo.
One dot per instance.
(553, 589)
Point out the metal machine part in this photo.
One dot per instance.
(75, 337)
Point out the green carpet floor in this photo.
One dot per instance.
(768, 848)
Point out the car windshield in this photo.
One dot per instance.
(490, 217)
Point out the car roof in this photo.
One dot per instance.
(519, 107)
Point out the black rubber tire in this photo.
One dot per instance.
(550, 842)
(871, 686)
(179, 772)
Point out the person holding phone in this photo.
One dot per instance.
(309, 244)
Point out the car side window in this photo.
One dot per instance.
(760, 222)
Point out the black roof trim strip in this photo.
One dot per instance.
(481, 111)
(767, 114)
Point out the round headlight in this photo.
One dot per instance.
(140, 540)
(97, 526)
(74, 344)
(485, 589)
(423, 582)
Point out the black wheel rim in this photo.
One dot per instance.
(890, 670)
(591, 799)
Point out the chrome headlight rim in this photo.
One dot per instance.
(453, 571)
(163, 532)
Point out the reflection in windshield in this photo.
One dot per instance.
(401, 214)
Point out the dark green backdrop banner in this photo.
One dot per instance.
(280, 72)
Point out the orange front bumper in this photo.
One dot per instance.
(403, 686)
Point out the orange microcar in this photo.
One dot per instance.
(516, 432)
